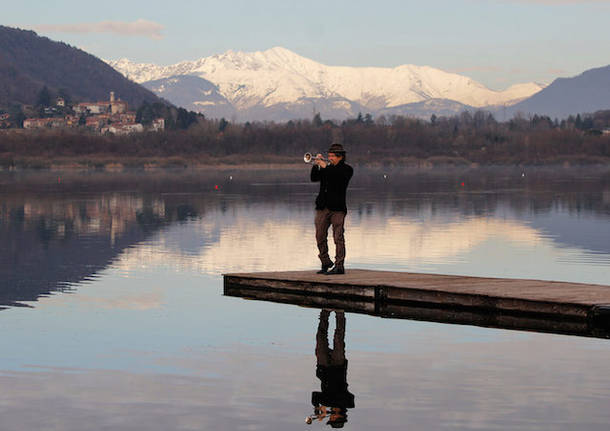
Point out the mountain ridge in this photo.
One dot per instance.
(584, 93)
(279, 76)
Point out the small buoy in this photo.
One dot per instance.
(462, 184)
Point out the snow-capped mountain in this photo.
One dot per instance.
(279, 77)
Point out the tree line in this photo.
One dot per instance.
(465, 138)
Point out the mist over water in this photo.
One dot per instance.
(114, 316)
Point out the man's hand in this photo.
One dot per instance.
(321, 413)
(320, 161)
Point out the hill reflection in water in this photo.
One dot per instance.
(57, 234)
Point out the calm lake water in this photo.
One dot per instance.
(113, 315)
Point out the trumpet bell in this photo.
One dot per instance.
(310, 158)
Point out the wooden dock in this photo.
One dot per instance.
(545, 306)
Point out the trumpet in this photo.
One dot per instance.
(310, 158)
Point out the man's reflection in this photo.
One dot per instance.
(334, 399)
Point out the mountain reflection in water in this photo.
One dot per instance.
(52, 242)
(56, 235)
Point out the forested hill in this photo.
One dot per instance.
(28, 62)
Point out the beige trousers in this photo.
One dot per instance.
(323, 220)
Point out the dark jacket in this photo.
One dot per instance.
(334, 387)
(333, 185)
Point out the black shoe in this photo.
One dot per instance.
(336, 270)
(325, 268)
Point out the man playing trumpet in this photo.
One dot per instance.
(331, 209)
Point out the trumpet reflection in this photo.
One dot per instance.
(334, 399)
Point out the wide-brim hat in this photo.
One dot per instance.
(337, 149)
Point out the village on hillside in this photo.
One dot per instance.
(110, 116)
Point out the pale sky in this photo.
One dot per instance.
(496, 42)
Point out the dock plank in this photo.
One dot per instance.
(573, 300)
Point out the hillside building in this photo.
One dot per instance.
(96, 122)
(158, 124)
(117, 106)
(123, 129)
(111, 106)
(127, 117)
(5, 121)
(40, 123)
(109, 116)
(71, 120)
(92, 108)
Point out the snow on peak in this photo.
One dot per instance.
(278, 75)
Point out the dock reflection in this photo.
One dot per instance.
(333, 400)
(591, 326)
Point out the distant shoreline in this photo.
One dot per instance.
(260, 162)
